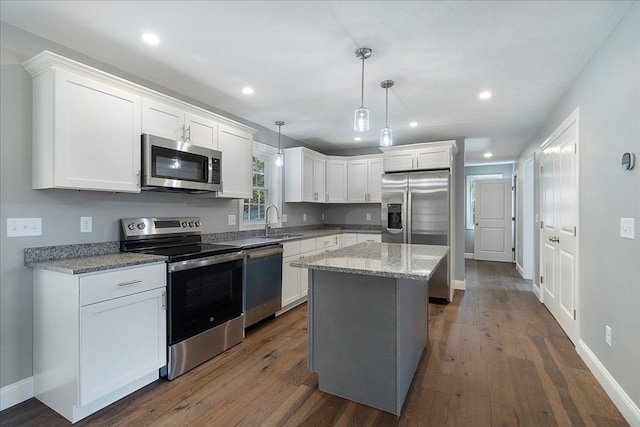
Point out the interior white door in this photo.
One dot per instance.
(493, 221)
(558, 229)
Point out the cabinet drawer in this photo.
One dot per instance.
(114, 284)
(290, 248)
(369, 238)
(307, 245)
(326, 243)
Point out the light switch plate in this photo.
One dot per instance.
(284, 217)
(627, 228)
(22, 227)
(368, 217)
(304, 216)
(231, 220)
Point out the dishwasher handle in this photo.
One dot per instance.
(263, 253)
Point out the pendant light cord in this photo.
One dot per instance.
(362, 85)
(386, 111)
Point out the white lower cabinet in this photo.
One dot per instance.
(97, 337)
(366, 237)
(348, 239)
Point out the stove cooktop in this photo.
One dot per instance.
(191, 251)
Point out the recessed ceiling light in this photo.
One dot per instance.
(413, 124)
(247, 90)
(488, 155)
(357, 138)
(151, 38)
(485, 95)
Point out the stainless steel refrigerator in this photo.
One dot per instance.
(416, 210)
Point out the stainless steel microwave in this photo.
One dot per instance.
(179, 166)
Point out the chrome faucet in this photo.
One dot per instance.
(266, 218)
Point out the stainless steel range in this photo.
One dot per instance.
(204, 288)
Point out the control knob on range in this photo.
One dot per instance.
(140, 225)
(131, 226)
(191, 224)
(198, 224)
(184, 223)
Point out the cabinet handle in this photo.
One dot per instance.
(189, 136)
(182, 128)
(132, 282)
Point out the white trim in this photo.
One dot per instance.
(459, 285)
(520, 269)
(537, 291)
(468, 255)
(15, 393)
(620, 398)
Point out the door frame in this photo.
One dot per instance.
(574, 117)
(526, 216)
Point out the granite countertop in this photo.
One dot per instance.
(276, 237)
(396, 260)
(91, 264)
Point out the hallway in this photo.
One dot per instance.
(496, 358)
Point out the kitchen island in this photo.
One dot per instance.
(368, 313)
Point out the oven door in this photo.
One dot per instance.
(203, 293)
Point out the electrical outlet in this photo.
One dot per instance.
(86, 224)
(368, 217)
(304, 216)
(627, 228)
(284, 217)
(607, 335)
(231, 220)
(323, 216)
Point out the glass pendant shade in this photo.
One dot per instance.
(279, 159)
(361, 119)
(386, 137)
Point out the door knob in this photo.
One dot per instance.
(554, 239)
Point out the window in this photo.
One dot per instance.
(471, 209)
(266, 189)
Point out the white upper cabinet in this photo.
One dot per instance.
(336, 168)
(304, 175)
(86, 132)
(237, 160)
(364, 179)
(87, 128)
(431, 155)
(172, 122)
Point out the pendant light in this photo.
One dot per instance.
(386, 133)
(361, 115)
(279, 158)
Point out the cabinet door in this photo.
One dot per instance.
(201, 131)
(357, 180)
(237, 158)
(162, 120)
(120, 341)
(308, 189)
(434, 158)
(402, 161)
(374, 180)
(348, 239)
(290, 281)
(318, 180)
(336, 181)
(96, 135)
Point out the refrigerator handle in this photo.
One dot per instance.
(407, 208)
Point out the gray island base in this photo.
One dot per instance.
(368, 313)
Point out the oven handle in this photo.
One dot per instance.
(262, 253)
(203, 262)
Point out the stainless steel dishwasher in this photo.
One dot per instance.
(262, 282)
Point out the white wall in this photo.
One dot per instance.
(607, 93)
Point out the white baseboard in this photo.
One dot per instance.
(469, 256)
(537, 291)
(620, 398)
(15, 393)
(460, 285)
(520, 270)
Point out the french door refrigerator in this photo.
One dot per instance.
(416, 210)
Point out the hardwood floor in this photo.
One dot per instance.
(496, 358)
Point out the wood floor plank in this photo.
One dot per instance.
(496, 357)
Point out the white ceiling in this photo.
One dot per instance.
(299, 58)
